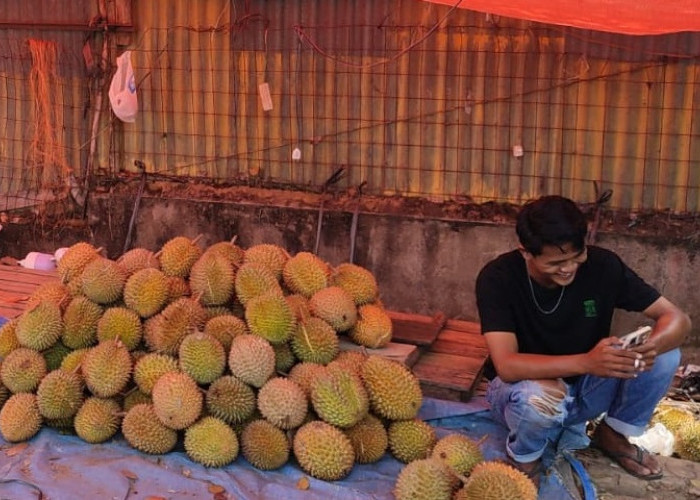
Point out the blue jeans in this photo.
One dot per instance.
(628, 405)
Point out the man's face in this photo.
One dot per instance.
(555, 266)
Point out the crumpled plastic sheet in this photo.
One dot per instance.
(54, 466)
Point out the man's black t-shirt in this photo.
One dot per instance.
(584, 315)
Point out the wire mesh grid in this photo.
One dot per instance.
(437, 104)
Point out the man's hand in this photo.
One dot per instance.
(648, 351)
(607, 359)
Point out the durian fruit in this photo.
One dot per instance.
(339, 397)
(211, 442)
(335, 306)
(272, 257)
(282, 403)
(373, 328)
(177, 288)
(144, 431)
(228, 249)
(177, 400)
(146, 292)
(178, 255)
(120, 323)
(304, 374)
(251, 359)
(80, 323)
(97, 420)
(215, 311)
(427, 478)
(299, 305)
(8, 338)
(135, 397)
(394, 391)
(253, 280)
(22, 370)
(107, 368)
(269, 316)
(164, 332)
(103, 281)
(357, 281)
(60, 395)
(149, 368)
(687, 444)
(54, 355)
(73, 361)
(231, 400)
(315, 341)
(20, 418)
(40, 327)
(212, 278)
(497, 481)
(137, 259)
(53, 291)
(305, 274)
(459, 452)
(369, 439)
(673, 418)
(202, 357)
(323, 451)
(74, 260)
(350, 360)
(411, 440)
(265, 446)
(284, 357)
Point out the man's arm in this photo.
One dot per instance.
(605, 360)
(670, 329)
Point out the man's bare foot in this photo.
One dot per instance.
(635, 460)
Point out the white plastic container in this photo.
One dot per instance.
(38, 260)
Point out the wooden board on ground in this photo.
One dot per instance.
(415, 329)
(405, 353)
(16, 285)
(453, 365)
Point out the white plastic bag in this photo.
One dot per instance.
(122, 90)
(657, 439)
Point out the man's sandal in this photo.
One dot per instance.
(638, 458)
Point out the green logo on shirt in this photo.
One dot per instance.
(589, 310)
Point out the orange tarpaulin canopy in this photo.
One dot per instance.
(632, 17)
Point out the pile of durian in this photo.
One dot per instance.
(229, 352)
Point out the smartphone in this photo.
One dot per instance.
(637, 337)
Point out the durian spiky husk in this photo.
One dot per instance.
(497, 481)
(426, 478)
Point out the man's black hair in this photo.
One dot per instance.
(551, 220)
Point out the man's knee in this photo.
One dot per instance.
(549, 401)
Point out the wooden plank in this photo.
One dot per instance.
(448, 376)
(460, 343)
(405, 353)
(415, 329)
(16, 285)
(463, 326)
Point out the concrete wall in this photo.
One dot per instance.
(422, 266)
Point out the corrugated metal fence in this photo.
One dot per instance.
(413, 98)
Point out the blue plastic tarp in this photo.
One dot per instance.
(65, 467)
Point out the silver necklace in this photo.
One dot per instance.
(534, 299)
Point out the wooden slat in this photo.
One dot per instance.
(405, 353)
(448, 376)
(16, 285)
(460, 343)
(415, 329)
